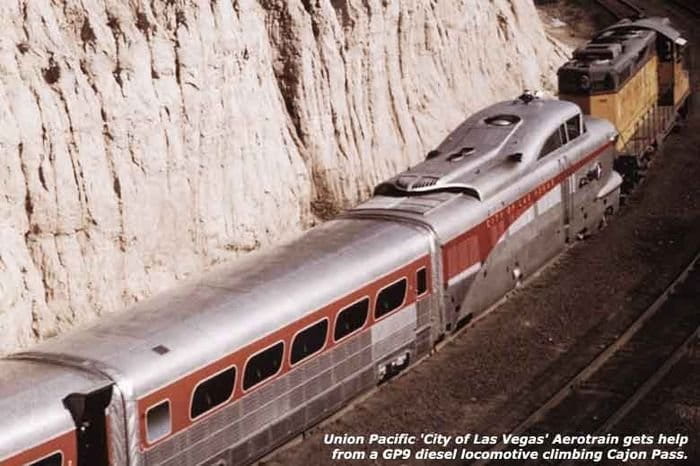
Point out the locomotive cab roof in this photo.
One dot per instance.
(500, 141)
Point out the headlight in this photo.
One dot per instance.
(585, 82)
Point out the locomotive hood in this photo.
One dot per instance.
(499, 142)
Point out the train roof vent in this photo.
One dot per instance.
(460, 154)
(598, 52)
(410, 182)
(502, 120)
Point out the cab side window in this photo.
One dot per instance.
(573, 127)
(553, 143)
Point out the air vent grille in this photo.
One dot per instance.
(410, 182)
(425, 181)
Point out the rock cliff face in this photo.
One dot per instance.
(144, 141)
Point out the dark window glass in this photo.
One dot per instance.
(351, 318)
(263, 365)
(54, 460)
(573, 127)
(421, 281)
(553, 143)
(309, 341)
(213, 392)
(681, 53)
(158, 421)
(390, 298)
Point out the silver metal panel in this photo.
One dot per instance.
(394, 332)
(423, 313)
(423, 343)
(31, 402)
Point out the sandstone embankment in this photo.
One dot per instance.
(141, 142)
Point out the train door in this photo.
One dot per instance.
(89, 414)
(586, 210)
(573, 128)
(551, 199)
(567, 201)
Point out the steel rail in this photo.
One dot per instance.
(621, 8)
(587, 372)
(688, 5)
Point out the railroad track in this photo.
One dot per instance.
(689, 5)
(622, 8)
(606, 390)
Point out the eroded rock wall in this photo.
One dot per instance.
(143, 141)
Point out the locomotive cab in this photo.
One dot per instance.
(505, 192)
(674, 62)
(615, 77)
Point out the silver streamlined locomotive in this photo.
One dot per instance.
(225, 368)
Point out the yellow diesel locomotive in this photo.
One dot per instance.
(635, 74)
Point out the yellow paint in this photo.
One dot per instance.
(627, 107)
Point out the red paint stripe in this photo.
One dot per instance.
(475, 245)
(65, 444)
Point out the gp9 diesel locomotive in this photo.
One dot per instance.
(227, 367)
(635, 74)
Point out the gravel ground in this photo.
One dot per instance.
(492, 375)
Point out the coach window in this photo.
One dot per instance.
(390, 298)
(351, 319)
(552, 143)
(421, 281)
(158, 421)
(309, 341)
(213, 392)
(263, 365)
(55, 459)
(573, 127)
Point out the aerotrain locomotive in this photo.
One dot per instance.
(229, 366)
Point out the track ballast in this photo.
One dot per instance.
(606, 390)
